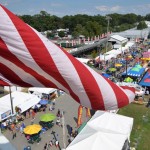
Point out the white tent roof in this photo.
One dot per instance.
(113, 123)
(115, 52)
(5, 144)
(20, 99)
(42, 90)
(91, 139)
(104, 131)
(83, 60)
(107, 56)
(13, 88)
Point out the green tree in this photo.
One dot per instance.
(141, 25)
(61, 34)
(49, 35)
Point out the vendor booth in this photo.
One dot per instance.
(46, 92)
(22, 100)
(136, 71)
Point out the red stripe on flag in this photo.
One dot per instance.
(36, 49)
(88, 80)
(5, 53)
(121, 97)
(10, 75)
(3, 83)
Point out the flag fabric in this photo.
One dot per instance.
(28, 59)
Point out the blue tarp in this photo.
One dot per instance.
(146, 79)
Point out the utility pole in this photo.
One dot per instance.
(64, 133)
(108, 18)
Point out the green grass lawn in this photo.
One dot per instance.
(141, 127)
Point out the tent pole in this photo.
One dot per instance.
(11, 101)
(64, 133)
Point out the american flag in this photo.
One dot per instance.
(28, 59)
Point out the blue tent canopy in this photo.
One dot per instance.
(145, 80)
(135, 71)
(106, 75)
(124, 73)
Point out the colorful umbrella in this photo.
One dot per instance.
(47, 117)
(118, 65)
(129, 56)
(128, 79)
(112, 69)
(28, 59)
(145, 58)
(32, 129)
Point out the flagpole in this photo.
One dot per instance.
(11, 101)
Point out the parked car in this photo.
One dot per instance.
(139, 90)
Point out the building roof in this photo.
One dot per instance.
(134, 33)
(118, 38)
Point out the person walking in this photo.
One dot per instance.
(45, 146)
(14, 133)
(33, 114)
(50, 143)
(56, 144)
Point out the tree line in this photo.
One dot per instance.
(82, 24)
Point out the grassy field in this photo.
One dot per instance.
(141, 128)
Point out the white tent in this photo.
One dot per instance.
(41, 90)
(107, 57)
(20, 99)
(83, 60)
(109, 122)
(106, 131)
(13, 88)
(5, 144)
(114, 52)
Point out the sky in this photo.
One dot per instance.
(61, 8)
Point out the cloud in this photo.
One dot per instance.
(115, 8)
(5, 3)
(56, 4)
(104, 8)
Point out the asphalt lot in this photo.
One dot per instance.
(64, 103)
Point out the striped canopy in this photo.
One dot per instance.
(29, 59)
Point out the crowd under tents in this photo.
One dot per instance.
(145, 80)
(103, 131)
(20, 99)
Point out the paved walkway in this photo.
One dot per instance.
(64, 103)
